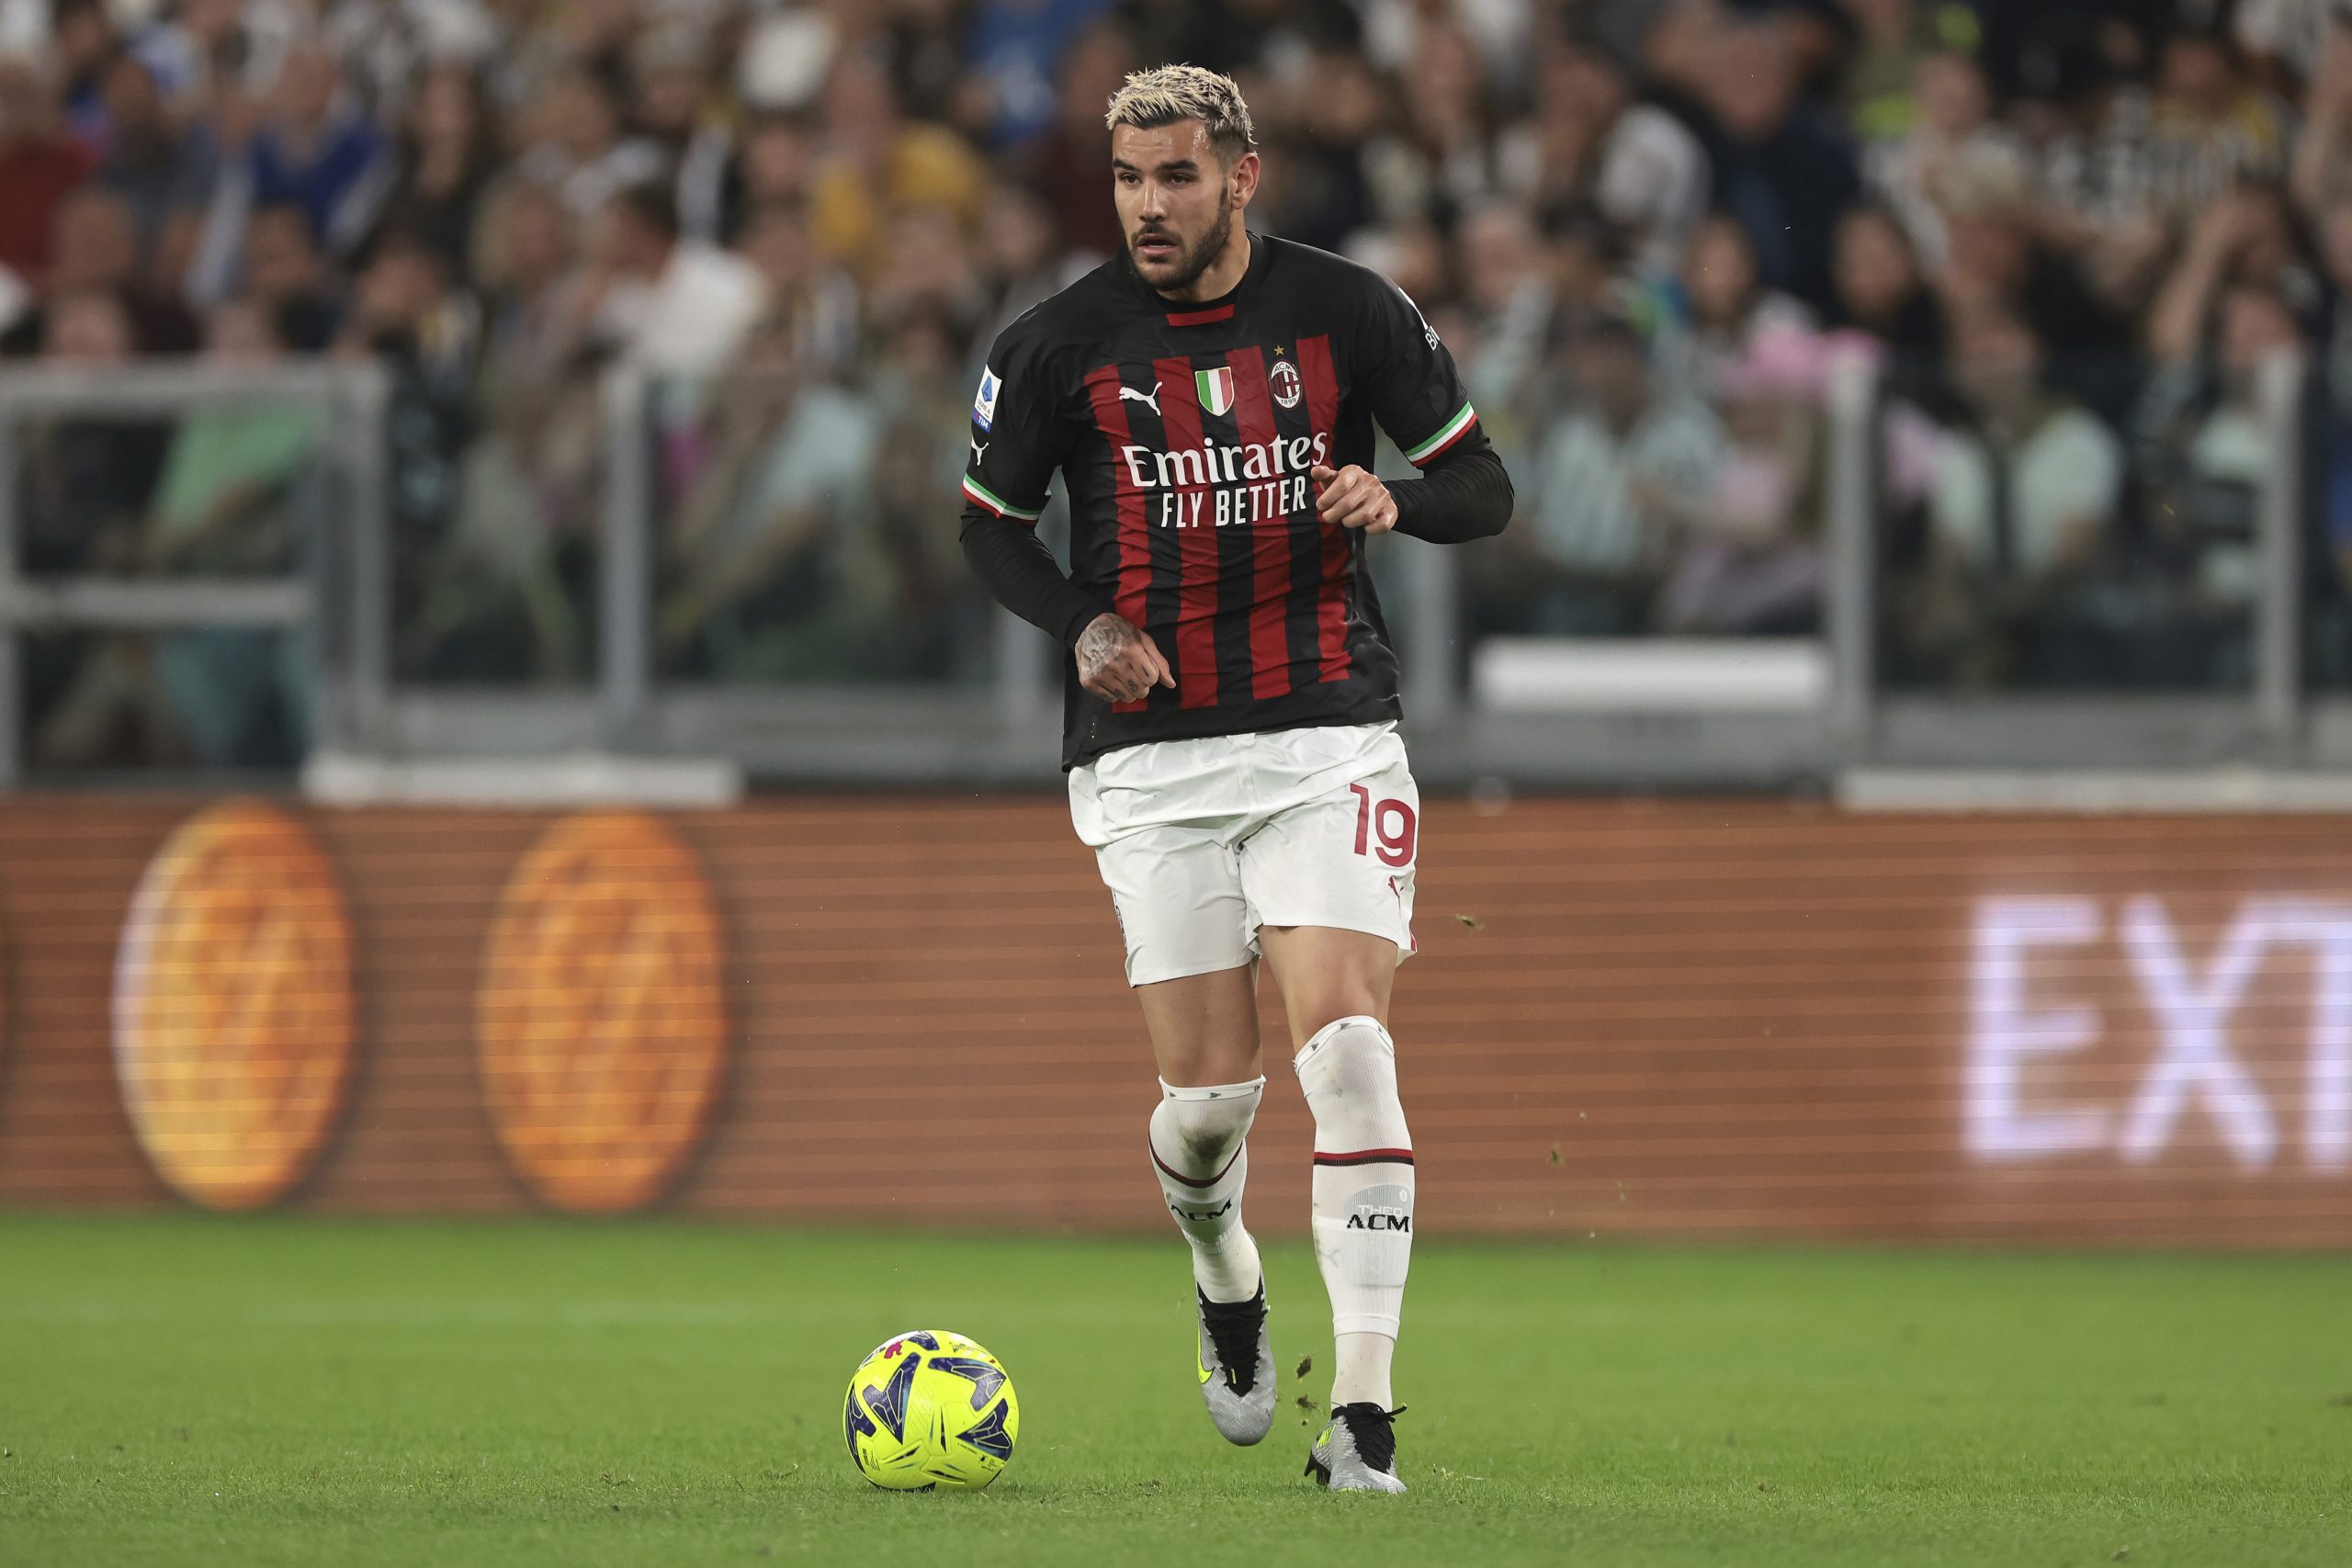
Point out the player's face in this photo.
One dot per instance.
(1176, 199)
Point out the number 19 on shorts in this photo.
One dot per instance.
(1385, 828)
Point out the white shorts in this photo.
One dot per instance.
(1203, 842)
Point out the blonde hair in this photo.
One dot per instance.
(1166, 94)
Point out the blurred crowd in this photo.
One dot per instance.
(2066, 231)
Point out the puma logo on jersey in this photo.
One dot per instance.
(1151, 398)
(979, 448)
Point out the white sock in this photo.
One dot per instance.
(1200, 1152)
(1363, 1199)
(1360, 1370)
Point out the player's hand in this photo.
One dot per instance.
(1119, 662)
(1353, 499)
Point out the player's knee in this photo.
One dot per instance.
(1346, 1038)
(1207, 1123)
(1353, 1057)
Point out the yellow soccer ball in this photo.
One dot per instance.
(930, 1410)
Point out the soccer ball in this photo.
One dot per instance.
(931, 1410)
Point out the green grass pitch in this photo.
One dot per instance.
(188, 1390)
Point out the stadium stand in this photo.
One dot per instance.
(671, 307)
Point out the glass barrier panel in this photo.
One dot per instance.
(805, 533)
(495, 504)
(223, 489)
(200, 698)
(1660, 492)
(2083, 526)
(227, 490)
(2327, 512)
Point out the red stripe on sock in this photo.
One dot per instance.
(1196, 541)
(1331, 594)
(1135, 540)
(1367, 1156)
(1253, 414)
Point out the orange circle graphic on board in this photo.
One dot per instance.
(601, 1019)
(233, 1005)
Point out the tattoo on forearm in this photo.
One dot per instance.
(1101, 643)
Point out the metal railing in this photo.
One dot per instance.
(340, 505)
(340, 600)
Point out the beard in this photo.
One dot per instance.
(1190, 261)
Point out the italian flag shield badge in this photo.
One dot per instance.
(1216, 388)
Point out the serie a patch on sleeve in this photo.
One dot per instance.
(984, 400)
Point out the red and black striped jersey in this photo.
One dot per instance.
(1185, 434)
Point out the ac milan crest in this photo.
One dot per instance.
(1284, 375)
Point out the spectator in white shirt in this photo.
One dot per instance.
(1615, 474)
(2020, 510)
(675, 307)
